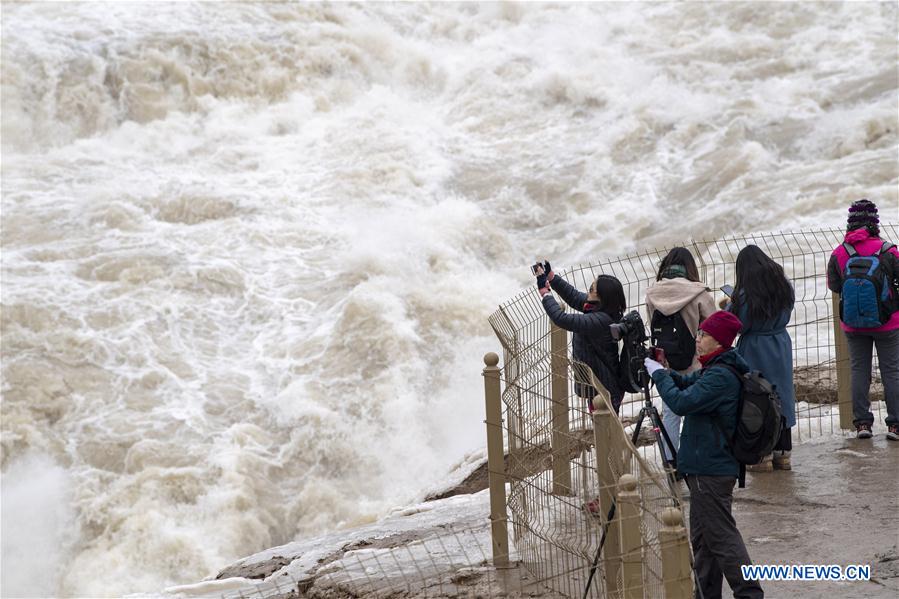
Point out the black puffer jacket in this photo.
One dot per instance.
(591, 342)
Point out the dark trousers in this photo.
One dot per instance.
(718, 548)
(861, 347)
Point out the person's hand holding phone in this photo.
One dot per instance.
(539, 271)
(651, 365)
(543, 272)
(728, 292)
(658, 354)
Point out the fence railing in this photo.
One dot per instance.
(556, 469)
(561, 460)
(569, 467)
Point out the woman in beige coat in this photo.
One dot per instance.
(676, 305)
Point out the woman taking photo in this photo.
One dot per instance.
(675, 307)
(763, 301)
(592, 342)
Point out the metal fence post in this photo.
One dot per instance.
(496, 467)
(673, 542)
(510, 368)
(604, 439)
(561, 434)
(844, 370)
(631, 537)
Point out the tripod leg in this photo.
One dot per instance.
(658, 424)
(670, 465)
(602, 541)
(605, 528)
(636, 432)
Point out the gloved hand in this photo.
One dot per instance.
(541, 281)
(549, 270)
(652, 366)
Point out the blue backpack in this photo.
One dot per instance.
(866, 301)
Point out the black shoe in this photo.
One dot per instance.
(863, 431)
(893, 432)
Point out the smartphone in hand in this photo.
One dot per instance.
(658, 354)
(727, 290)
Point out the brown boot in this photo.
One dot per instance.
(781, 460)
(765, 465)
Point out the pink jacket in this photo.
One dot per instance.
(865, 244)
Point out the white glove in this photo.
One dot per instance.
(652, 366)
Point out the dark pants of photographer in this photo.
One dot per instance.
(718, 548)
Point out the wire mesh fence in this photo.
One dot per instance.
(555, 523)
(450, 560)
(557, 527)
(523, 330)
(579, 479)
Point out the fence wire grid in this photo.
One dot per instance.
(553, 530)
(558, 508)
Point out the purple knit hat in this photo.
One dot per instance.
(862, 213)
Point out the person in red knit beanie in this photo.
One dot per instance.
(723, 327)
(705, 398)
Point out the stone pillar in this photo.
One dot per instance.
(496, 467)
(844, 370)
(676, 573)
(561, 439)
(608, 455)
(631, 537)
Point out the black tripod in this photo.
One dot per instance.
(670, 463)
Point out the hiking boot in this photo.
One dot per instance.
(893, 432)
(863, 431)
(766, 465)
(781, 460)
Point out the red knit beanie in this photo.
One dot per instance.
(723, 326)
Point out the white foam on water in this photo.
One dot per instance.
(248, 250)
(39, 525)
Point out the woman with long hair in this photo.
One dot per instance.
(676, 305)
(763, 300)
(592, 342)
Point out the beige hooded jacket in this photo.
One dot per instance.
(692, 299)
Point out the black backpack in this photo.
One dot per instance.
(629, 366)
(671, 334)
(866, 298)
(759, 420)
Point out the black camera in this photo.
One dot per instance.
(632, 332)
(631, 328)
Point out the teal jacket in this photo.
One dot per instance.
(704, 397)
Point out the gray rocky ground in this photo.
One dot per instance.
(840, 504)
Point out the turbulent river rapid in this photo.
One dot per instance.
(248, 250)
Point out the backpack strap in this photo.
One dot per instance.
(884, 248)
(741, 477)
(731, 368)
(850, 249)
